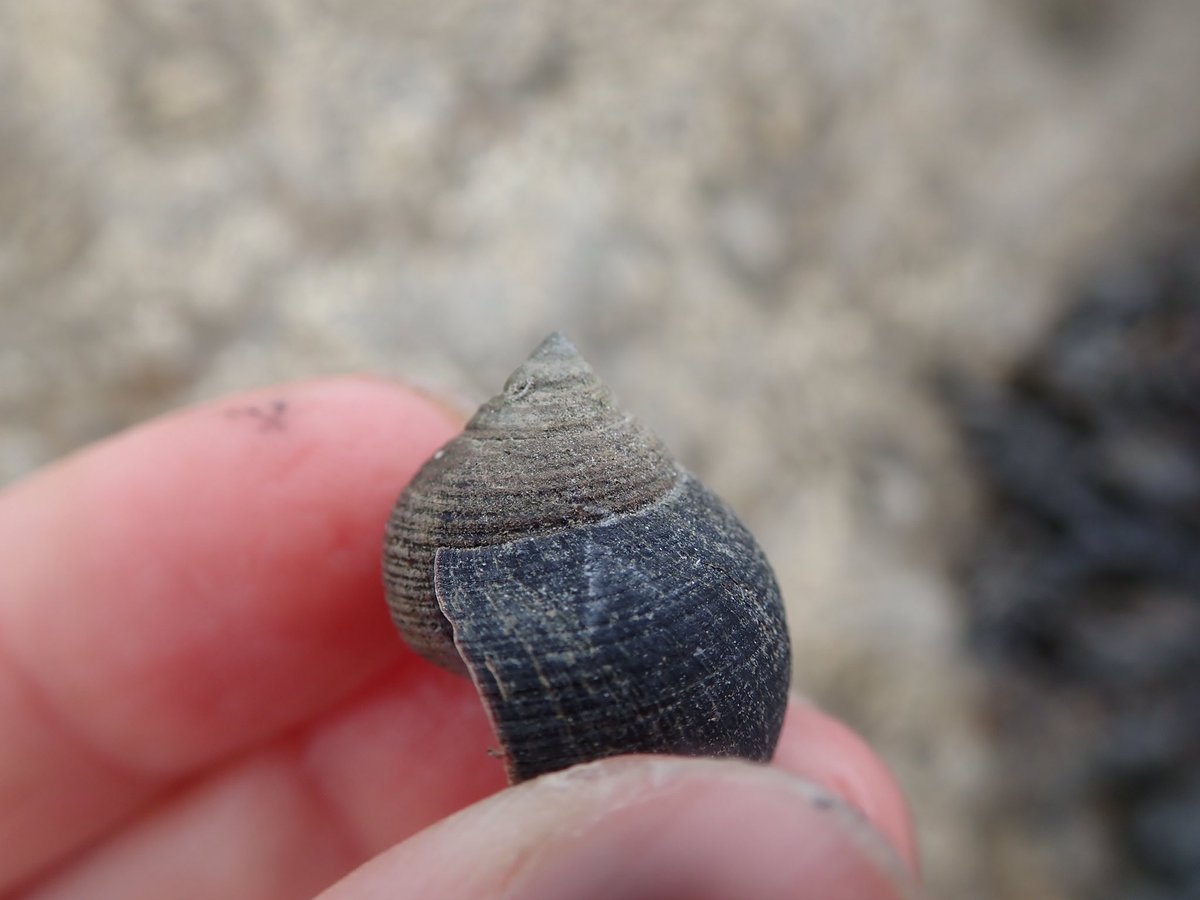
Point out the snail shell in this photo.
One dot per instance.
(602, 599)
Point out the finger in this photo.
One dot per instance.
(288, 820)
(823, 750)
(293, 818)
(643, 828)
(188, 589)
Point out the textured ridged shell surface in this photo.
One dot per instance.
(601, 598)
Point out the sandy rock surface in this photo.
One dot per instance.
(766, 224)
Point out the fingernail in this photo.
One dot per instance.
(725, 830)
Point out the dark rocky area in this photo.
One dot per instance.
(1084, 586)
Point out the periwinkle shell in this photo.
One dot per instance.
(602, 599)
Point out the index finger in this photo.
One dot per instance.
(189, 589)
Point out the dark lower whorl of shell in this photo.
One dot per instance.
(601, 598)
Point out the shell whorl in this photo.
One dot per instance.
(551, 451)
(602, 599)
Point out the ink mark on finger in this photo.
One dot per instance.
(271, 417)
(823, 801)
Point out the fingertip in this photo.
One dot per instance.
(229, 556)
(821, 749)
(718, 831)
(645, 828)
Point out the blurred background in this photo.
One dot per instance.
(914, 285)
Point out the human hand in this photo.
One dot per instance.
(201, 696)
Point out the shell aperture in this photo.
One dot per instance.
(602, 599)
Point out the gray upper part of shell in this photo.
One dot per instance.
(602, 599)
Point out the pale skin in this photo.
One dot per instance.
(201, 696)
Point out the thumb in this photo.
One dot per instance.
(641, 827)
